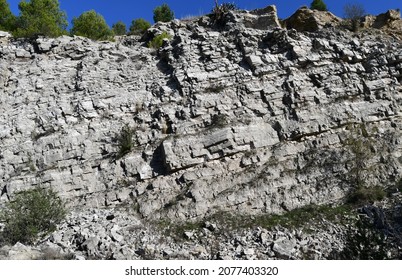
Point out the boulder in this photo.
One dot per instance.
(305, 19)
(4, 37)
(385, 20)
(261, 19)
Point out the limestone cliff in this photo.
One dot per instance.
(248, 119)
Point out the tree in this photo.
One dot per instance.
(318, 5)
(139, 26)
(163, 13)
(40, 17)
(354, 12)
(7, 19)
(91, 25)
(119, 28)
(31, 215)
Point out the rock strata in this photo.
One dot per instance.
(249, 118)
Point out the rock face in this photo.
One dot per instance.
(390, 22)
(249, 119)
(262, 19)
(305, 19)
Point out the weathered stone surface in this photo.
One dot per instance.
(249, 119)
(305, 19)
(262, 19)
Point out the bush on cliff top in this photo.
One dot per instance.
(318, 5)
(92, 25)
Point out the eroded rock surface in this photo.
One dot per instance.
(252, 119)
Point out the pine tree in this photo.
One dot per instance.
(139, 26)
(163, 13)
(119, 28)
(92, 25)
(7, 19)
(40, 17)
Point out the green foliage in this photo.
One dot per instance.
(163, 13)
(125, 141)
(307, 217)
(360, 146)
(318, 5)
(301, 217)
(139, 26)
(91, 25)
(119, 28)
(157, 41)
(362, 195)
(7, 19)
(40, 17)
(31, 215)
(354, 12)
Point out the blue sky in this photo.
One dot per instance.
(127, 10)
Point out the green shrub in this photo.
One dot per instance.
(157, 41)
(163, 13)
(318, 5)
(31, 215)
(139, 26)
(125, 141)
(362, 195)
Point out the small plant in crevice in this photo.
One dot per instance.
(31, 215)
(157, 41)
(125, 141)
(219, 120)
(219, 12)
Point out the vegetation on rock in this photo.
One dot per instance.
(219, 11)
(157, 41)
(354, 13)
(31, 215)
(139, 26)
(125, 141)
